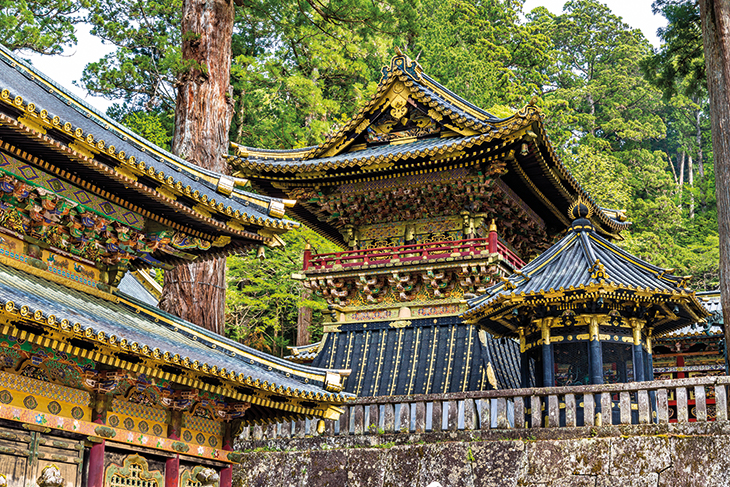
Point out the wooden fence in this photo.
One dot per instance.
(662, 401)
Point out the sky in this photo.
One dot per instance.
(67, 68)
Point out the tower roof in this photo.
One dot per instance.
(413, 125)
(584, 267)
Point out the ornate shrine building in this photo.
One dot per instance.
(435, 200)
(696, 350)
(98, 388)
(586, 311)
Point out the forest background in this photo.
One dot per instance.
(631, 122)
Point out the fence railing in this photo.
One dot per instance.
(678, 400)
(412, 253)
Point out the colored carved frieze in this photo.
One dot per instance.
(74, 194)
(450, 206)
(415, 274)
(40, 396)
(80, 224)
(44, 363)
(88, 428)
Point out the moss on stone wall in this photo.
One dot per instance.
(647, 456)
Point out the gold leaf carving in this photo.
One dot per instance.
(400, 324)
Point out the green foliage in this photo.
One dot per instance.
(143, 68)
(262, 300)
(481, 51)
(621, 115)
(155, 126)
(601, 174)
(43, 26)
(621, 139)
(679, 66)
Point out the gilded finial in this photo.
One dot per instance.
(398, 51)
(492, 226)
(579, 209)
(533, 101)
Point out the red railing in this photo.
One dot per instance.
(412, 253)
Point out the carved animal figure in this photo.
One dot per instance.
(50, 477)
(207, 476)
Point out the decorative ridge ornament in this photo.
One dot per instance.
(598, 271)
(404, 64)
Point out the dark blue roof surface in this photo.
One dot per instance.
(427, 356)
(571, 264)
(583, 259)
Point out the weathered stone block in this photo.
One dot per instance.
(639, 455)
(646, 480)
(267, 469)
(446, 463)
(700, 461)
(401, 465)
(550, 460)
(496, 464)
(327, 468)
(365, 467)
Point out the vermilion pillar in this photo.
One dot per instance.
(307, 256)
(492, 239)
(226, 474)
(96, 465)
(96, 454)
(172, 472)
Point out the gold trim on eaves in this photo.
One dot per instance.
(85, 146)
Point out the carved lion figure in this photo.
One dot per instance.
(207, 476)
(50, 477)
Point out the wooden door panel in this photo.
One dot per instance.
(64, 453)
(14, 468)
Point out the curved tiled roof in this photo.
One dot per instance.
(123, 326)
(584, 264)
(42, 107)
(473, 133)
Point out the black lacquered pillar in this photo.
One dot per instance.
(548, 364)
(649, 374)
(637, 325)
(595, 353)
(524, 360)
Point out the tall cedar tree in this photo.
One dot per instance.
(197, 291)
(715, 16)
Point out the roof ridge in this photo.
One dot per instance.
(156, 154)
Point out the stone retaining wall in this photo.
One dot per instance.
(676, 455)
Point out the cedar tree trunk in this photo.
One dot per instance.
(196, 292)
(304, 320)
(715, 15)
